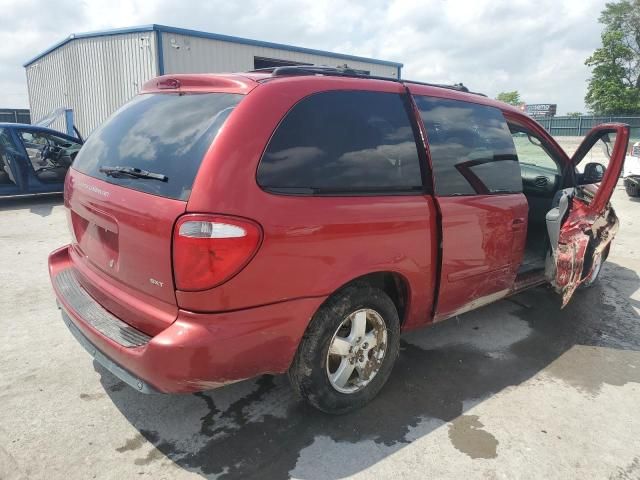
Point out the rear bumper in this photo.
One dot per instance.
(197, 352)
(105, 361)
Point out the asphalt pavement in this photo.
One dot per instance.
(517, 389)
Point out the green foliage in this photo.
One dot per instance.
(574, 114)
(615, 83)
(512, 98)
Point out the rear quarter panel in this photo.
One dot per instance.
(312, 245)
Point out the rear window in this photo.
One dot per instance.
(167, 134)
(343, 142)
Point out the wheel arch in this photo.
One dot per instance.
(392, 283)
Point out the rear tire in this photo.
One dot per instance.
(337, 367)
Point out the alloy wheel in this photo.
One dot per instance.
(356, 351)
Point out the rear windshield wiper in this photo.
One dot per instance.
(133, 172)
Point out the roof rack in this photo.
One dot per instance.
(301, 70)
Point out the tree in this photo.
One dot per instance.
(614, 86)
(574, 114)
(512, 98)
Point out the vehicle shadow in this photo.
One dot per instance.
(258, 429)
(38, 205)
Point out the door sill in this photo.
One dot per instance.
(529, 279)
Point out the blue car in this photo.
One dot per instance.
(34, 160)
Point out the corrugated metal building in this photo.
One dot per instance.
(95, 73)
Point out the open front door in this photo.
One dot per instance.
(583, 223)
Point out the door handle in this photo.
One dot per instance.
(517, 223)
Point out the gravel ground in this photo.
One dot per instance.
(517, 389)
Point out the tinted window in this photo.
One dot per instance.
(343, 142)
(162, 133)
(471, 148)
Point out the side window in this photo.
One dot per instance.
(49, 155)
(348, 142)
(46, 150)
(531, 150)
(471, 148)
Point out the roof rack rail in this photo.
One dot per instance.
(315, 70)
(301, 70)
(305, 70)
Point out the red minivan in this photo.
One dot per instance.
(299, 219)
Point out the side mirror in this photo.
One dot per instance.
(593, 173)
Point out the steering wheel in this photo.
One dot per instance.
(53, 153)
(45, 153)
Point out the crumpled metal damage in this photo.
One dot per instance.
(583, 234)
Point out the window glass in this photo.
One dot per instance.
(50, 155)
(531, 151)
(343, 142)
(599, 153)
(165, 133)
(471, 148)
(7, 152)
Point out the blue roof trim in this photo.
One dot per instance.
(100, 33)
(48, 50)
(280, 46)
(36, 128)
(213, 36)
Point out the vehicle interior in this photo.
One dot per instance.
(541, 182)
(6, 174)
(49, 155)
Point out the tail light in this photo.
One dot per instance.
(210, 249)
(168, 83)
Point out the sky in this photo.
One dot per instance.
(537, 47)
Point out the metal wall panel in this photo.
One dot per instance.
(96, 74)
(93, 76)
(46, 80)
(189, 54)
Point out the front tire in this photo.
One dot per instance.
(348, 351)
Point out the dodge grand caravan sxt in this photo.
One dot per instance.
(298, 220)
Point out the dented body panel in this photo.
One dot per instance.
(591, 223)
(582, 238)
